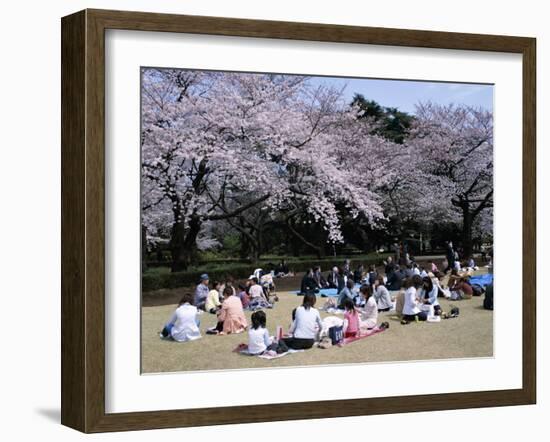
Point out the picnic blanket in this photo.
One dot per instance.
(367, 334)
(327, 293)
(243, 350)
(482, 280)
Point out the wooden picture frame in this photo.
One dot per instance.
(83, 219)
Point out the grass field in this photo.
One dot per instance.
(468, 336)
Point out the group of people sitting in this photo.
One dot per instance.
(221, 299)
(411, 290)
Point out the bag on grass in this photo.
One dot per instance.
(488, 301)
(281, 347)
(336, 334)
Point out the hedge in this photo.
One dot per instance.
(156, 281)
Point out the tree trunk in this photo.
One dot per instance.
(183, 244)
(143, 248)
(467, 222)
(319, 250)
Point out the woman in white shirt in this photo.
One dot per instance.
(306, 325)
(411, 311)
(184, 323)
(429, 293)
(369, 314)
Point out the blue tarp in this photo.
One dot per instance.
(482, 280)
(327, 293)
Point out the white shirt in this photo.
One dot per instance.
(410, 307)
(258, 340)
(383, 298)
(432, 296)
(369, 315)
(185, 323)
(307, 323)
(256, 291)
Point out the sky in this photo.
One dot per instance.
(405, 94)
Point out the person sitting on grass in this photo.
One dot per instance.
(258, 299)
(201, 292)
(358, 274)
(382, 296)
(282, 270)
(213, 304)
(308, 284)
(433, 267)
(231, 317)
(472, 264)
(411, 311)
(319, 279)
(256, 291)
(346, 268)
(351, 320)
(184, 323)
(389, 266)
(429, 293)
(369, 314)
(372, 275)
(461, 289)
(229, 282)
(395, 280)
(306, 325)
(243, 296)
(332, 278)
(259, 340)
(346, 293)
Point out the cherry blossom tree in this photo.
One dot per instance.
(218, 146)
(453, 147)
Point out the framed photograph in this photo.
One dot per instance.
(268, 221)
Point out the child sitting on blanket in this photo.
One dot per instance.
(259, 340)
(351, 320)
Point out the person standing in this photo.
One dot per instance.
(450, 255)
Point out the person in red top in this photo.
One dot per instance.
(243, 296)
(351, 319)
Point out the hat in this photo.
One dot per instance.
(204, 277)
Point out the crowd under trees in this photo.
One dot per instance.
(272, 164)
